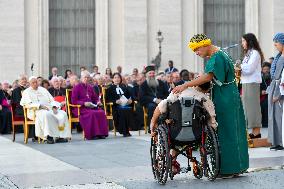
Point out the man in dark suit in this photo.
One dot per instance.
(266, 80)
(171, 67)
(151, 92)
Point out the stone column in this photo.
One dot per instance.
(102, 34)
(192, 23)
(36, 37)
(266, 28)
(170, 22)
(116, 33)
(12, 29)
(134, 35)
(252, 17)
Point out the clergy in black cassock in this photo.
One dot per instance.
(5, 114)
(18, 111)
(121, 98)
(56, 90)
(17, 96)
(151, 92)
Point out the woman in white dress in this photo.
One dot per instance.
(251, 79)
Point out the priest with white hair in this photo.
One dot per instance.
(51, 123)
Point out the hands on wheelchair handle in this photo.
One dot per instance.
(154, 127)
(179, 89)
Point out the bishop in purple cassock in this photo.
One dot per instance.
(92, 120)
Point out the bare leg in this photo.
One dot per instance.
(256, 130)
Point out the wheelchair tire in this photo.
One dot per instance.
(212, 160)
(160, 155)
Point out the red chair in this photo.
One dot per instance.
(16, 120)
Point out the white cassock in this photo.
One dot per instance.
(46, 122)
(282, 93)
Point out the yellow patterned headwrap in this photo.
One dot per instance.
(199, 40)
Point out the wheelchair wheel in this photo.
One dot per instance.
(160, 155)
(211, 155)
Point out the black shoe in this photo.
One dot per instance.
(101, 137)
(61, 140)
(252, 136)
(35, 139)
(49, 140)
(279, 148)
(128, 135)
(275, 147)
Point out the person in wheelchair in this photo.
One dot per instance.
(197, 93)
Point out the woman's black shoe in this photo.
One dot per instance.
(127, 135)
(252, 136)
(101, 137)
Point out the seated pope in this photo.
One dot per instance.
(51, 123)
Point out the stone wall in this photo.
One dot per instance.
(12, 50)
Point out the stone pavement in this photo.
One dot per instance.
(115, 162)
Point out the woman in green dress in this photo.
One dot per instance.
(226, 98)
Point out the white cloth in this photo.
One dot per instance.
(282, 93)
(119, 91)
(191, 92)
(63, 122)
(46, 122)
(55, 104)
(282, 82)
(251, 68)
(123, 100)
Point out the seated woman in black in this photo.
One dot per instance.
(119, 95)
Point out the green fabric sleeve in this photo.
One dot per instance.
(216, 66)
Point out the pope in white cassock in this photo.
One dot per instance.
(50, 121)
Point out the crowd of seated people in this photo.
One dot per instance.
(128, 92)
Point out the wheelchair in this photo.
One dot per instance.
(184, 128)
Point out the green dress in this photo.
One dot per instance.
(229, 114)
